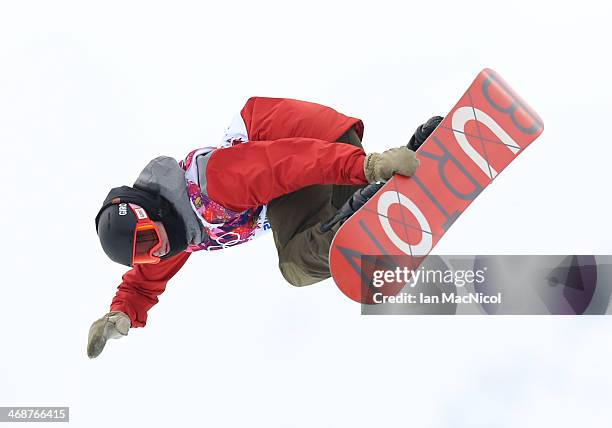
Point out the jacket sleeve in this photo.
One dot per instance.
(141, 286)
(249, 175)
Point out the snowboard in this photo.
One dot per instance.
(483, 133)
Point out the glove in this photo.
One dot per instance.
(382, 166)
(113, 325)
(359, 198)
(423, 131)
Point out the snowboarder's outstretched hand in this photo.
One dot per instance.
(113, 325)
(382, 166)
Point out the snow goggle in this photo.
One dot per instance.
(147, 238)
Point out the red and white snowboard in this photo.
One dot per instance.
(485, 131)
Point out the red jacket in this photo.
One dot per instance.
(285, 136)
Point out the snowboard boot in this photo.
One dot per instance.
(422, 132)
(361, 196)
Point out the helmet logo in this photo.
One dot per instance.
(122, 209)
(140, 213)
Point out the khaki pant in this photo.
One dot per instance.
(295, 218)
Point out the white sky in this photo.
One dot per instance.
(89, 92)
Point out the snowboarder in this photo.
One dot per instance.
(293, 167)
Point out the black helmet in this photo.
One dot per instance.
(116, 223)
(115, 226)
